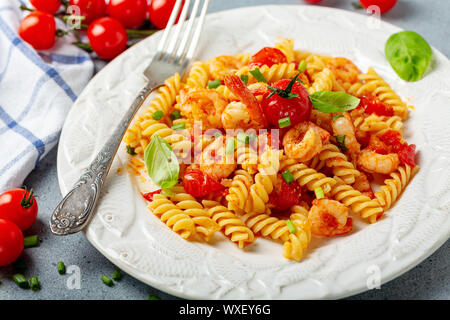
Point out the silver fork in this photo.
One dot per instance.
(174, 53)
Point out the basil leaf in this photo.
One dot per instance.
(162, 163)
(331, 102)
(409, 55)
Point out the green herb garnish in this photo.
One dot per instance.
(319, 193)
(333, 102)
(179, 126)
(175, 115)
(131, 150)
(34, 283)
(258, 75)
(341, 143)
(31, 241)
(291, 226)
(21, 281)
(337, 116)
(284, 93)
(231, 144)
(244, 78)
(287, 176)
(117, 275)
(284, 122)
(107, 280)
(214, 84)
(302, 66)
(158, 115)
(151, 297)
(61, 267)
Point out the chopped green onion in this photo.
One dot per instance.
(107, 280)
(285, 122)
(20, 265)
(130, 150)
(337, 116)
(229, 149)
(258, 75)
(31, 241)
(291, 226)
(179, 126)
(158, 115)
(287, 176)
(151, 297)
(319, 193)
(245, 138)
(61, 267)
(175, 115)
(214, 84)
(21, 281)
(34, 283)
(302, 66)
(217, 134)
(341, 143)
(117, 275)
(244, 78)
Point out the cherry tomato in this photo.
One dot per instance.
(407, 155)
(90, 9)
(38, 29)
(375, 105)
(267, 56)
(297, 109)
(313, 1)
(131, 13)
(159, 12)
(11, 242)
(285, 195)
(384, 5)
(49, 6)
(19, 206)
(393, 139)
(108, 38)
(199, 184)
(149, 196)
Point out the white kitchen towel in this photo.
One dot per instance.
(37, 89)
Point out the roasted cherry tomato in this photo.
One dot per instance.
(384, 5)
(131, 13)
(277, 107)
(11, 242)
(159, 12)
(199, 184)
(108, 38)
(19, 206)
(49, 6)
(90, 9)
(407, 155)
(149, 195)
(38, 29)
(267, 56)
(285, 195)
(393, 139)
(375, 105)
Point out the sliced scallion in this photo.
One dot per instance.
(319, 193)
(229, 149)
(179, 126)
(302, 66)
(291, 226)
(258, 75)
(31, 241)
(158, 115)
(287, 176)
(107, 280)
(175, 115)
(284, 122)
(34, 283)
(117, 275)
(214, 84)
(151, 297)
(61, 267)
(21, 281)
(244, 78)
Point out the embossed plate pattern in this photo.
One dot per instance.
(127, 234)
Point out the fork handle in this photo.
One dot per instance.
(74, 211)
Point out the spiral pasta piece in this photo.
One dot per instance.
(315, 63)
(226, 93)
(239, 190)
(323, 81)
(247, 157)
(273, 73)
(295, 247)
(306, 176)
(172, 216)
(198, 75)
(393, 188)
(267, 226)
(359, 203)
(287, 47)
(230, 224)
(378, 125)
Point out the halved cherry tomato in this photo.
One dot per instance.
(19, 206)
(149, 195)
(284, 195)
(267, 56)
(90, 9)
(108, 38)
(38, 29)
(49, 6)
(407, 155)
(131, 13)
(199, 184)
(384, 5)
(375, 105)
(159, 12)
(297, 109)
(11, 242)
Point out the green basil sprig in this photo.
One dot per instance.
(331, 102)
(409, 55)
(162, 163)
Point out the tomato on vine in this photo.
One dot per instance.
(19, 206)
(49, 6)
(384, 5)
(11, 242)
(38, 29)
(131, 13)
(90, 9)
(159, 12)
(108, 37)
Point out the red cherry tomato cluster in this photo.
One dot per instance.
(18, 211)
(106, 22)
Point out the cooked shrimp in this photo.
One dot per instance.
(343, 126)
(215, 162)
(373, 162)
(238, 88)
(203, 105)
(222, 66)
(235, 116)
(329, 218)
(304, 141)
(362, 184)
(344, 70)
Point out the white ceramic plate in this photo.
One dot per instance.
(137, 242)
